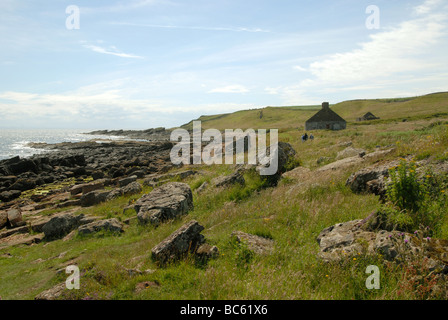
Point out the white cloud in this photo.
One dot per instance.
(389, 58)
(230, 89)
(112, 50)
(299, 68)
(427, 6)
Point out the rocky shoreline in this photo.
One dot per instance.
(153, 134)
(111, 159)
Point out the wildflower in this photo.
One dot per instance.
(354, 259)
(415, 232)
(406, 240)
(428, 176)
(428, 238)
(327, 275)
(443, 191)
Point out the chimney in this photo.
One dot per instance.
(325, 105)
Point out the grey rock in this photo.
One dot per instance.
(350, 152)
(202, 187)
(61, 225)
(3, 219)
(206, 251)
(112, 225)
(15, 218)
(358, 181)
(223, 181)
(52, 293)
(165, 202)
(183, 241)
(93, 198)
(255, 243)
(347, 239)
(125, 181)
(10, 195)
(132, 188)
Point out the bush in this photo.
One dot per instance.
(415, 203)
(405, 191)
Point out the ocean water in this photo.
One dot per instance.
(13, 142)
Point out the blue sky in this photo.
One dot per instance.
(138, 64)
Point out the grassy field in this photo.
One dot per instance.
(294, 117)
(292, 214)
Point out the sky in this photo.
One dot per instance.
(140, 64)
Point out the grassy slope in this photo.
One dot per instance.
(295, 116)
(292, 214)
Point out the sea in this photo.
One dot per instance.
(14, 142)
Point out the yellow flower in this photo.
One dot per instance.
(354, 259)
(428, 176)
(443, 191)
(327, 275)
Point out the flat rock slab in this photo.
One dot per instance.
(52, 293)
(112, 225)
(20, 238)
(347, 239)
(163, 203)
(183, 241)
(236, 177)
(255, 243)
(60, 225)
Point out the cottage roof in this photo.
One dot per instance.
(369, 115)
(325, 114)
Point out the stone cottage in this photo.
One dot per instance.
(325, 119)
(368, 116)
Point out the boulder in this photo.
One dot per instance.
(132, 188)
(53, 293)
(24, 165)
(359, 181)
(24, 184)
(61, 225)
(183, 241)
(350, 152)
(285, 153)
(15, 218)
(255, 243)
(125, 181)
(223, 181)
(206, 251)
(348, 239)
(112, 225)
(166, 202)
(3, 219)
(10, 195)
(94, 197)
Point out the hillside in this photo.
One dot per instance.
(295, 116)
(291, 218)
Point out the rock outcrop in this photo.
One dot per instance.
(348, 239)
(166, 202)
(255, 243)
(112, 225)
(186, 239)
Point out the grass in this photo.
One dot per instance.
(291, 214)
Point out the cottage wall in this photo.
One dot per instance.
(322, 125)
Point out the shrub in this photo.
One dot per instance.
(405, 191)
(413, 202)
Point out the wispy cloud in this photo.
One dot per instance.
(390, 56)
(230, 89)
(111, 51)
(204, 28)
(427, 6)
